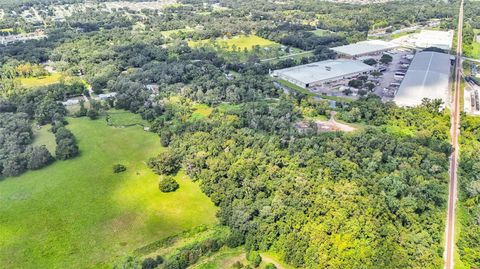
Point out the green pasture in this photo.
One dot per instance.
(32, 82)
(79, 214)
(120, 118)
(43, 136)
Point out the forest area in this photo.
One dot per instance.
(372, 198)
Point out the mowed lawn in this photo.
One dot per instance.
(240, 42)
(79, 214)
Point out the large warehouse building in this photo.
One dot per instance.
(321, 73)
(426, 39)
(438, 39)
(363, 48)
(427, 77)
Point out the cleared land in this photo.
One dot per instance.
(240, 42)
(79, 214)
(40, 81)
(201, 111)
(227, 257)
(44, 137)
(122, 118)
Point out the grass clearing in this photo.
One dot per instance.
(227, 257)
(472, 50)
(320, 32)
(240, 42)
(123, 118)
(201, 111)
(79, 214)
(43, 136)
(33, 82)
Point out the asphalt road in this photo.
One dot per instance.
(455, 130)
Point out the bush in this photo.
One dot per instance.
(38, 157)
(370, 61)
(168, 184)
(237, 265)
(150, 263)
(386, 59)
(118, 168)
(235, 239)
(66, 149)
(355, 83)
(254, 258)
(270, 266)
(92, 114)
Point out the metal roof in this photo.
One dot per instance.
(324, 70)
(365, 47)
(427, 77)
(438, 39)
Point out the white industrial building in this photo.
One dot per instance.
(438, 39)
(324, 72)
(427, 77)
(427, 39)
(368, 47)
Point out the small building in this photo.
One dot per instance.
(105, 96)
(71, 102)
(427, 77)
(363, 48)
(323, 73)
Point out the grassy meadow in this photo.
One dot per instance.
(201, 111)
(31, 82)
(43, 136)
(125, 118)
(79, 214)
(240, 42)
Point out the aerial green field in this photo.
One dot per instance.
(40, 81)
(79, 214)
(43, 136)
(241, 42)
(125, 118)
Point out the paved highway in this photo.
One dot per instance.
(454, 131)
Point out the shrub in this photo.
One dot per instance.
(254, 258)
(118, 168)
(270, 266)
(92, 114)
(38, 157)
(355, 83)
(150, 263)
(386, 59)
(235, 239)
(237, 265)
(66, 149)
(370, 61)
(168, 184)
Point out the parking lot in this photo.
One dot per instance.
(389, 83)
(386, 85)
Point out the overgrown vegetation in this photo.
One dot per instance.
(373, 198)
